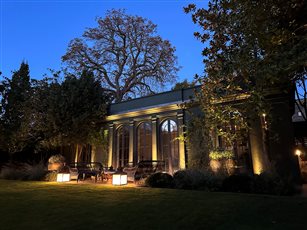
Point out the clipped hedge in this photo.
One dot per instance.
(198, 179)
(160, 180)
(266, 183)
(242, 183)
(238, 183)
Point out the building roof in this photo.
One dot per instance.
(153, 101)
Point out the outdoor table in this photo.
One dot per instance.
(108, 175)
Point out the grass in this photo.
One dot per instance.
(50, 205)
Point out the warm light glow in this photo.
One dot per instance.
(143, 112)
(298, 152)
(119, 179)
(258, 161)
(264, 115)
(63, 177)
(215, 165)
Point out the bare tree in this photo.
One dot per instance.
(126, 54)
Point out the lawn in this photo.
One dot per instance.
(50, 205)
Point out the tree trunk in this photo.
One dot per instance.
(259, 155)
(282, 145)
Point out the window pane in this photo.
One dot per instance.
(144, 143)
(122, 146)
(169, 146)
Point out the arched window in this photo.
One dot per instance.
(122, 146)
(144, 141)
(169, 145)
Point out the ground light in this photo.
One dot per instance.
(119, 178)
(63, 177)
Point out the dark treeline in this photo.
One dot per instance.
(39, 118)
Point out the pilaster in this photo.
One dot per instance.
(111, 141)
(131, 140)
(154, 138)
(180, 117)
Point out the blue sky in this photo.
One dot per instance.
(39, 31)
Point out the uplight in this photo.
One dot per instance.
(298, 152)
(63, 177)
(119, 178)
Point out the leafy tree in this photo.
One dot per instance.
(125, 53)
(254, 49)
(184, 84)
(253, 46)
(76, 110)
(15, 101)
(42, 115)
(198, 144)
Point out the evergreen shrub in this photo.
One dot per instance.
(238, 183)
(160, 180)
(189, 179)
(269, 183)
(198, 179)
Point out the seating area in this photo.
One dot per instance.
(83, 170)
(95, 170)
(143, 169)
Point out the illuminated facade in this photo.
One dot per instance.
(152, 128)
(149, 128)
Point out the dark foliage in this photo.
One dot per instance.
(76, 109)
(304, 177)
(4, 158)
(24, 171)
(15, 114)
(238, 183)
(190, 179)
(160, 180)
(182, 180)
(272, 184)
(183, 85)
(39, 117)
(198, 179)
(264, 183)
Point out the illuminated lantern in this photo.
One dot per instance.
(63, 177)
(119, 178)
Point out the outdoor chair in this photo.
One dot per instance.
(74, 175)
(143, 169)
(84, 170)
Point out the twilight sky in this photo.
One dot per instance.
(39, 31)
